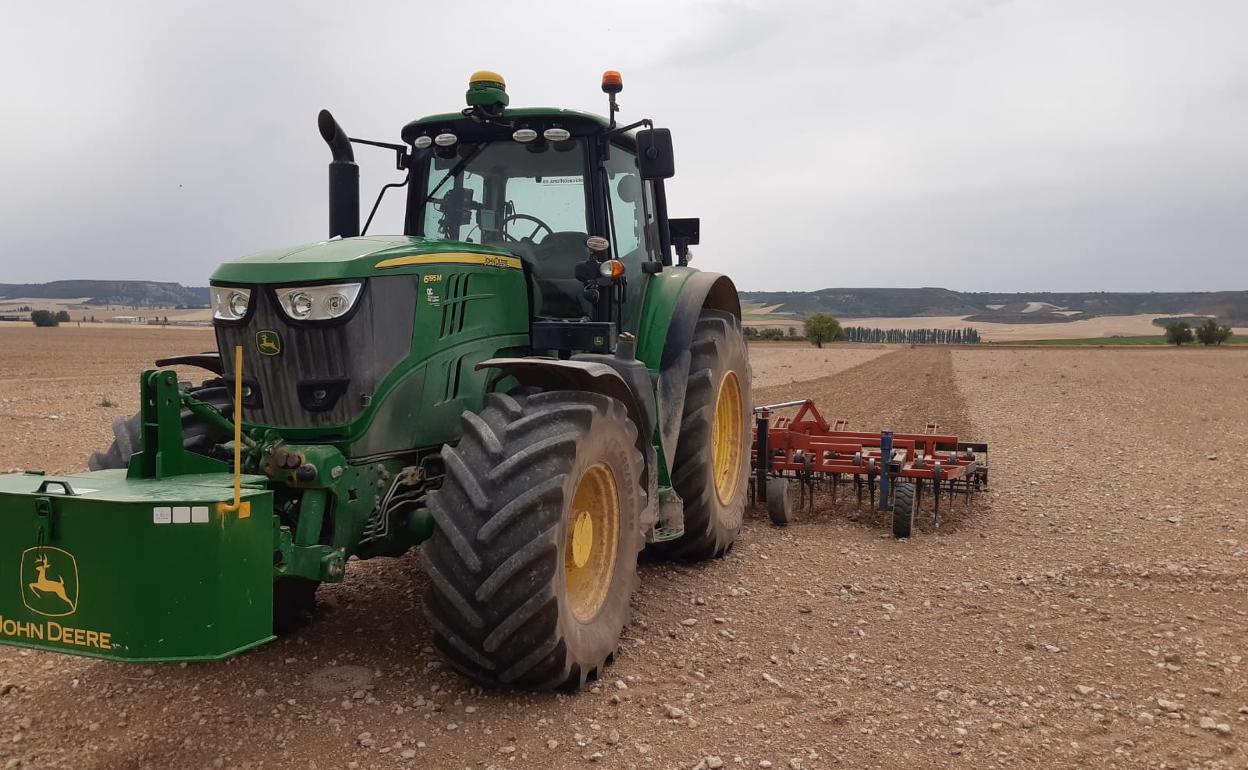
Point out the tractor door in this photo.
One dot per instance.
(633, 227)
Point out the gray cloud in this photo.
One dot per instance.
(970, 144)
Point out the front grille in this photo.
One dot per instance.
(325, 374)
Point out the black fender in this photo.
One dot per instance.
(702, 290)
(620, 377)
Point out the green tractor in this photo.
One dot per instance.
(530, 384)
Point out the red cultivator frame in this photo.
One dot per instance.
(805, 449)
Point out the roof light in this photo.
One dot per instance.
(445, 140)
(524, 135)
(557, 134)
(422, 142)
(612, 83)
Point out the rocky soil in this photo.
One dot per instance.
(1090, 611)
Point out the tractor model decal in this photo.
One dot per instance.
(50, 581)
(268, 342)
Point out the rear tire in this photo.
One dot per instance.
(522, 591)
(712, 462)
(903, 510)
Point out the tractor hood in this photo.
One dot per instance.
(360, 257)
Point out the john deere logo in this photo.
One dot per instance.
(49, 581)
(268, 342)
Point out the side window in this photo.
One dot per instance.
(627, 208)
(456, 214)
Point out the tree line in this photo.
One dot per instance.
(819, 328)
(967, 336)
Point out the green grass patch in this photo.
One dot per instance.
(1147, 339)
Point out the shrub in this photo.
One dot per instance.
(1213, 333)
(44, 318)
(1178, 332)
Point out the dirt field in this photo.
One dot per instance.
(1091, 612)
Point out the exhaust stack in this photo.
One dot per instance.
(344, 179)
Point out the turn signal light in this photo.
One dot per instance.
(612, 268)
(612, 83)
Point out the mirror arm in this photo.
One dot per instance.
(400, 150)
(647, 122)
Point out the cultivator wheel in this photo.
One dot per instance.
(712, 462)
(903, 510)
(779, 501)
(533, 560)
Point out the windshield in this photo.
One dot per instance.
(506, 193)
(527, 198)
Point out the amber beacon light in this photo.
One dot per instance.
(612, 83)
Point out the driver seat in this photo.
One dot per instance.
(552, 263)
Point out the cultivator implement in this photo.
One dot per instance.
(893, 468)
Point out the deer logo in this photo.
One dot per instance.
(50, 581)
(268, 343)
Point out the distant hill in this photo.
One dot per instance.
(1024, 307)
(129, 293)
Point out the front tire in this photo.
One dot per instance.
(712, 461)
(533, 559)
(197, 435)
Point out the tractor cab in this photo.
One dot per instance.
(566, 192)
(540, 196)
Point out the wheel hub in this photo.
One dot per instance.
(726, 438)
(582, 539)
(592, 541)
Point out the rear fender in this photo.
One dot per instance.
(674, 301)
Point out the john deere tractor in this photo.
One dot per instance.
(530, 384)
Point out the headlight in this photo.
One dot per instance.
(318, 303)
(229, 303)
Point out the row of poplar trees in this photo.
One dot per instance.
(912, 336)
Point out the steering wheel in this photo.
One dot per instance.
(530, 218)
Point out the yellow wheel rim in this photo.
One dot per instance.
(593, 536)
(726, 438)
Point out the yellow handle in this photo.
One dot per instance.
(237, 505)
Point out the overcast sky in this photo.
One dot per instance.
(971, 144)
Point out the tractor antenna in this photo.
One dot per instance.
(612, 84)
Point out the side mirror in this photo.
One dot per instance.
(654, 154)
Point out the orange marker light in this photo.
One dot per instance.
(612, 268)
(612, 83)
